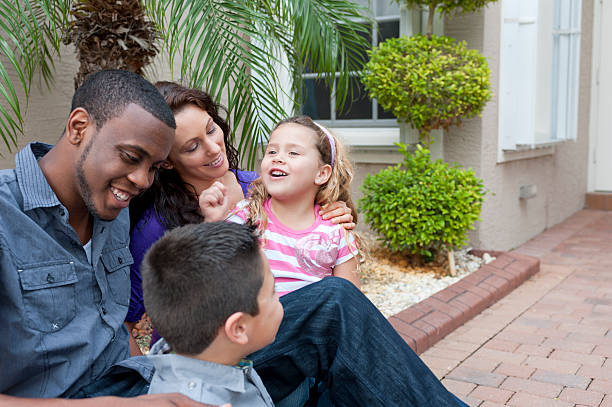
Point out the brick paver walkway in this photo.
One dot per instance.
(549, 342)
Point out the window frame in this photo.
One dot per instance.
(388, 131)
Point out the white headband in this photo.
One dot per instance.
(332, 144)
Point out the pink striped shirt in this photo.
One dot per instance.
(301, 257)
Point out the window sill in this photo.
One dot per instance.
(368, 137)
(375, 155)
(527, 151)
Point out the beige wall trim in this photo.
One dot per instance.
(523, 154)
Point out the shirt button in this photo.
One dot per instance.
(102, 229)
(191, 385)
(104, 310)
(50, 278)
(120, 260)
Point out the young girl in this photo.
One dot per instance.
(304, 167)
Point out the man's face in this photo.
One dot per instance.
(119, 160)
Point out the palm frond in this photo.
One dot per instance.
(30, 37)
(238, 48)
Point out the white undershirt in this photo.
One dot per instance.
(87, 247)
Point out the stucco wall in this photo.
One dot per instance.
(560, 177)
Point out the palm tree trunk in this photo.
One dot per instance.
(111, 34)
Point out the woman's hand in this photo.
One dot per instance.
(214, 202)
(338, 213)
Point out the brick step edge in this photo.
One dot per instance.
(425, 323)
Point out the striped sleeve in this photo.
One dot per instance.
(239, 214)
(346, 247)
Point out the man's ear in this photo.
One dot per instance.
(77, 124)
(323, 174)
(235, 328)
(167, 165)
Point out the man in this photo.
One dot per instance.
(64, 258)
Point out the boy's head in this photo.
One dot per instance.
(198, 279)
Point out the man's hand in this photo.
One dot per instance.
(167, 400)
(149, 400)
(214, 202)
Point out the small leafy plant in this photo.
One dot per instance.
(429, 82)
(447, 7)
(420, 205)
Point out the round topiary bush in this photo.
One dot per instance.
(422, 205)
(429, 83)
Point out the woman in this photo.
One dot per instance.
(330, 331)
(201, 154)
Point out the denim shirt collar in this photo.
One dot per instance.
(35, 188)
(33, 184)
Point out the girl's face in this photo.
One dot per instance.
(198, 152)
(292, 167)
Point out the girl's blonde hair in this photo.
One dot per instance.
(337, 187)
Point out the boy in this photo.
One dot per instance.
(209, 291)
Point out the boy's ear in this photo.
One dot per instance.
(323, 174)
(78, 121)
(235, 328)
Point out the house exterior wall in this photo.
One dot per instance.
(559, 173)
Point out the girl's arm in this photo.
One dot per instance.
(214, 202)
(349, 271)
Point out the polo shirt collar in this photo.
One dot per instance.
(177, 367)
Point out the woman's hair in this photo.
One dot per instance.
(335, 189)
(174, 200)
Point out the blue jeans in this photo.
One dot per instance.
(333, 333)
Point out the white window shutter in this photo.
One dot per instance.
(566, 65)
(518, 62)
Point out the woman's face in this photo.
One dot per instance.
(198, 152)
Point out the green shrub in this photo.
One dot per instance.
(422, 205)
(428, 83)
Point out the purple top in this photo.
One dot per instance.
(146, 232)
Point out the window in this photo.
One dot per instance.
(539, 68)
(362, 122)
(318, 100)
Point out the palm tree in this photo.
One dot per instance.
(111, 35)
(231, 48)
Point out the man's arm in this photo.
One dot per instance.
(153, 400)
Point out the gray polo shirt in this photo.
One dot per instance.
(61, 316)
(209, 382)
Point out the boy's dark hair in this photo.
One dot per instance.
(106, 94)
(196, 276)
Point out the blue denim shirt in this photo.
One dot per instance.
(61, 317)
